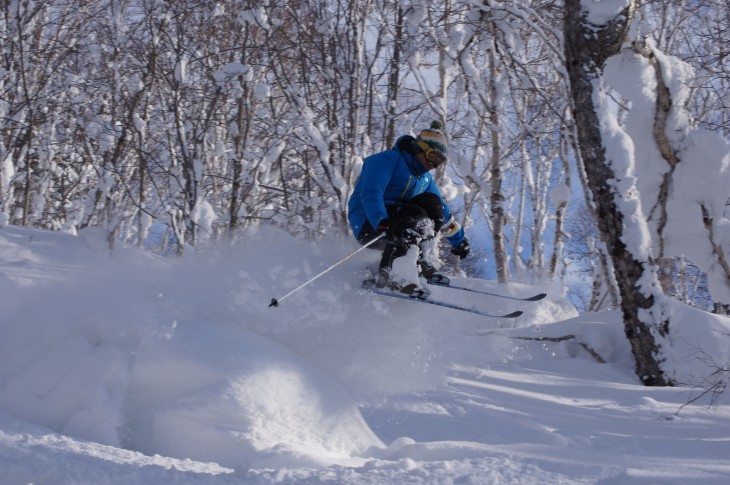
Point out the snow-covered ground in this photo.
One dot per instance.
(128, 368)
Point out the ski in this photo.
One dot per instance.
(537, 297)
(427, 300)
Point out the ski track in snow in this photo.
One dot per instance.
(128, 368)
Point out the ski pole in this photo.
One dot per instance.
(275, 302)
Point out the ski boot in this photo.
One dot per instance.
(431, 274)
(383, 280)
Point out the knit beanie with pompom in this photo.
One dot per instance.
(435, 138)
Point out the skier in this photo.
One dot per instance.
(396, 194)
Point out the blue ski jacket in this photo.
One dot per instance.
(391, 177)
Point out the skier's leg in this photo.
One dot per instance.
(408, 218)
(434, 209)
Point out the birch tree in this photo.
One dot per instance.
(642, 178)
(588, 46)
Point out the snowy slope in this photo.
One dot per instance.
(127, 368)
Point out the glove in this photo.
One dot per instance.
(462, 250)
(390, 227)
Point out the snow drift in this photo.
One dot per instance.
(125, 367)
(118, 354)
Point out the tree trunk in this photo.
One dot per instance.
(496, 198)
(394, 81)
(587, 47)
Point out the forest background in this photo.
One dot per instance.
(175, 124)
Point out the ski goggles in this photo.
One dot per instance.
(434, 157)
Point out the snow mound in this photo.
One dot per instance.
(125, 349)
(220, 393)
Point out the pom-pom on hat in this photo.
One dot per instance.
(435, 138)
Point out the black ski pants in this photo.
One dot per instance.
(412, 218)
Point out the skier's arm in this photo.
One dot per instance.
(376, 173)
(450, 228)
(455, 235)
